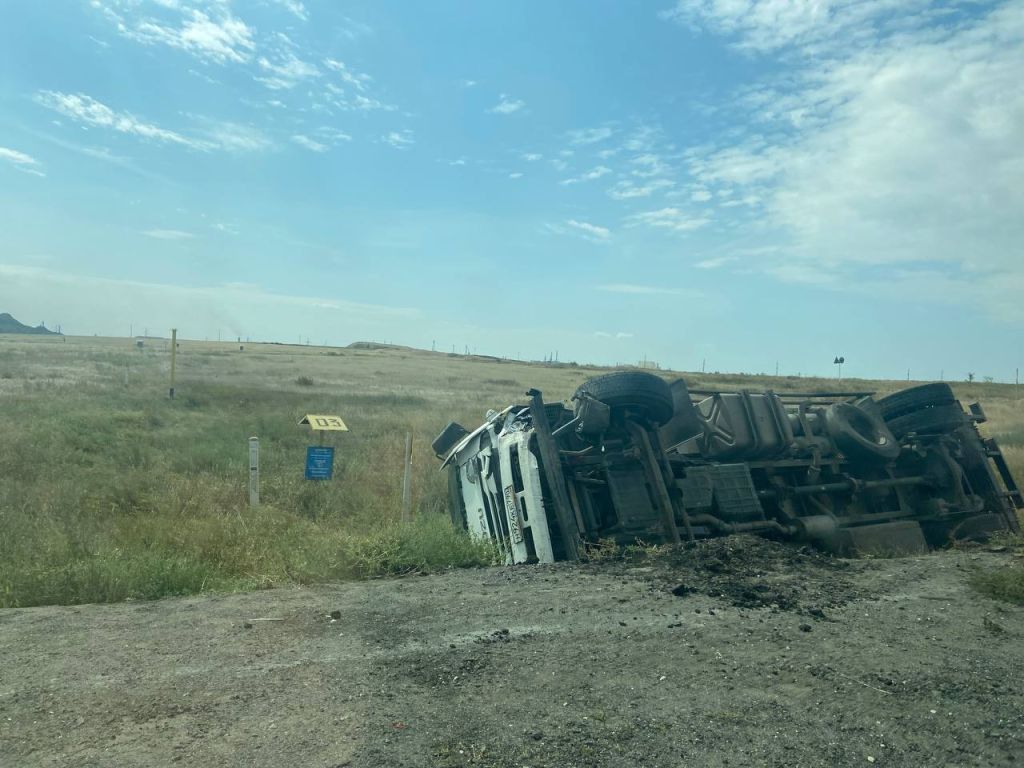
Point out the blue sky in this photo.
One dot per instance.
(746, 182)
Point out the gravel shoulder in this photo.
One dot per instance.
(736, 652)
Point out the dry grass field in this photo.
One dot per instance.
(109, 490)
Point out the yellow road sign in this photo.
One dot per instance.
(324, 422)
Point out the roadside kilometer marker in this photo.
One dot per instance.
(320, 458)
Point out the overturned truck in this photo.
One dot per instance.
(636, 458)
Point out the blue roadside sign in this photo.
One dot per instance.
(319, 462)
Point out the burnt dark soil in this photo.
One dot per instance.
(732, 652)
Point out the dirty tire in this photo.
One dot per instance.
(859, 434)
(635, 390)
(937, 420)
(915, 398)
(449, 436)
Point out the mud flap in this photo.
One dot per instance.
(884, 539)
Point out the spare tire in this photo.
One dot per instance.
(915, 398)
(637, 391)
(449, 436)
(859, 435)
(937, 420)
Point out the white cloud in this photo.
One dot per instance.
(674, 219)
(631, 288)
(908, 153)
(811, 26)
(626, 190)
(214, 134)
(516, 175)
(531, 157)
(715, 263)
(287, 72)
(588, 231)
(469, 83)
(354, 92)
(21, 161)
(584, 136)
(399, 139)
(507, 105)
(228, 136)
(87, 110)
(222, 39)
(168, 234)
(648, 165)
(591, 175)
(357, 80)
(295, 7)
(616, 335)
(308, 143)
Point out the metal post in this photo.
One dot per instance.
(407, 479)
(174, 356)
(254, 472)
(552, 461)
(657, 479)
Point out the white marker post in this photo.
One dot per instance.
(254, 472)
(407, 479)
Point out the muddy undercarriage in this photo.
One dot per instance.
(638, 459)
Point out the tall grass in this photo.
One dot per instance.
(109, 490)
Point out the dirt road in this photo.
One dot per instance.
(738, 652)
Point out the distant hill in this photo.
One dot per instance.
(9, 325)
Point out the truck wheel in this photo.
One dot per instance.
(937, 420)
(859, 435)
(449, 436)
(915, 398)
(635, 390)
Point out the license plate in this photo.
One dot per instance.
(515, 529)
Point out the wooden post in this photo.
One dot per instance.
(254, 472)
(174, 356)
(407, 480)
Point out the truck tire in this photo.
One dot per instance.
(449, 436)
(937, 420)
(915, 398)
(859, 435)
(635, 390)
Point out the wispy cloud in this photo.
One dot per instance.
(893, 140)
(591, 175)
(308, 143)
(21, 161)
(584, 136)
(221, 39)
(531, 157)
(168, 234)
(616, 335)
(715, 263)
(674, 219)
(632, 288)
(399, 139)
(357, 80)
(286, 72)
(87, 110)
(626, 190)
(295, 7)
(588, 231)
(507, 105)
(516, 175)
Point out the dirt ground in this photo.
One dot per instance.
(737, 652)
